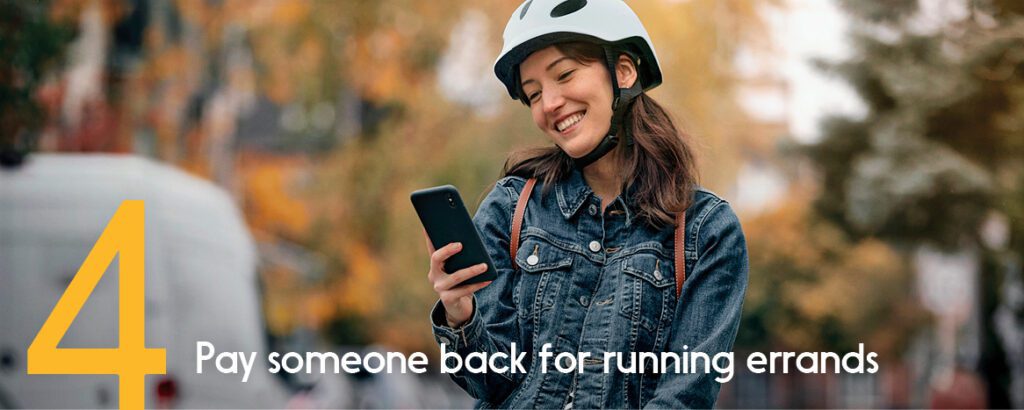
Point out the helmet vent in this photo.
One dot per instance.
(568, 7)
(526, 7)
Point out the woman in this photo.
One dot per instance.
(595, 269)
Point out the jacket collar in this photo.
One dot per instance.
(573, 192)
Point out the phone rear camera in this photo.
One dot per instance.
(451, 201)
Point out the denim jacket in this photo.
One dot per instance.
(592, 281)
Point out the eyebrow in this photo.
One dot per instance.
(553, 63)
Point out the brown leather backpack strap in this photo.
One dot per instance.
(680, 252)
(517, 219)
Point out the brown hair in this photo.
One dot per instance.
(659, 165)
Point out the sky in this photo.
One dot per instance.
(800, 95)
(802, 30)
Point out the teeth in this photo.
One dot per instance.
(568, 122)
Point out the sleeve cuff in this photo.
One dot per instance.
(456, 338)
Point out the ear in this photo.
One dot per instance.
(625, 71)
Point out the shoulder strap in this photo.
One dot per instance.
(517, 224)
(517, 218)
(680, 251)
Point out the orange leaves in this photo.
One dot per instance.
(290, 13)
(812, 287)
(274, 202)
(376, 64)
(172, 61)
(70, 10)
(362, 289)
(66, 10)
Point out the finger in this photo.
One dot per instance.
(464, 291)
(430, 245)
(462, 275)
(430, 251)
(439, 256)
(448, 282)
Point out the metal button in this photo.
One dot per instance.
(595, 246)
(593, 209)
(584, 301)
(532, 260)
(657, 274)
(444, 340)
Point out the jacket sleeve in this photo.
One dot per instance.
(493, 326)
(707, 314)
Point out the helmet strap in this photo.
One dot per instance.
(622, 99)
(607, 144)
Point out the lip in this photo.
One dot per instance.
(554, 124)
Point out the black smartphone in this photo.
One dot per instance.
(446, 220)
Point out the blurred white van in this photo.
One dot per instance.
(201, 281)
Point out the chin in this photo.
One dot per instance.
(577, 152)
(578, 147)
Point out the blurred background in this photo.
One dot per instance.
(874, 150)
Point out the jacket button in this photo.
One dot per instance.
(444, 340)
(532, 260)
(595, 246)
(584, 301)
(657, 275)
(593, 210)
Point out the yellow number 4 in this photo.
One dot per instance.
(131, 361)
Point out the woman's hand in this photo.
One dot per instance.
(457, 300)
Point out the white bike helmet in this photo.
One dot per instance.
(540, 23)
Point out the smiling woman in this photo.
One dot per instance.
(620, 251)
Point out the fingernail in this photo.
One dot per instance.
(458, 244)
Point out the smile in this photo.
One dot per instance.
(569, 121)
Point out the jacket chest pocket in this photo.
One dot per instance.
(647, 291)
(543, 268)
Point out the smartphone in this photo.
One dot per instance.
(446, 220)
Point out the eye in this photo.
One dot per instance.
(564, 76)
(532, 97)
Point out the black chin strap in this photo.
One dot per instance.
(620, 103)
(607, 144)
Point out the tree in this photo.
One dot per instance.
(938, 154)
(32, 44)
(813, 287)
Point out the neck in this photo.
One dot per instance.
(604, 177)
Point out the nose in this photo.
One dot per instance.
(552, 100)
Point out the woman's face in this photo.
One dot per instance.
(570, 101)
